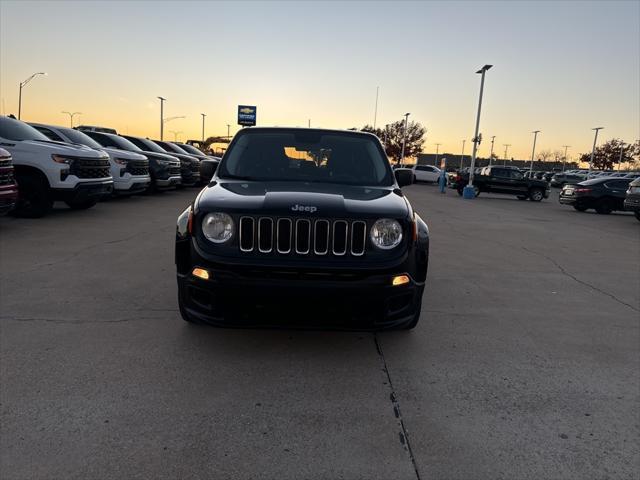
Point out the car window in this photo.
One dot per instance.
(516, 175)
(49, 133)
(617, 184)
(77, 136)
(145, 144)
(12, 129)
(103, 140)
(500, 173)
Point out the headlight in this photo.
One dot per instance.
(386, 233)
(218, 227)
(62, 159)
(120, 161)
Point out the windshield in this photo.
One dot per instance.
(170, 147)
(146, 144)
(307, 155)
(78, 137)
(16, 130)
(190, 149)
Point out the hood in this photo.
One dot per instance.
(161, 156)
(125, 154)
(305, 199)
(61, 148)
(184, 156)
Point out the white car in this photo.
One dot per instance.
(426, 173)
(47, 171)
(130, 171)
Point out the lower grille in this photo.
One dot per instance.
(302, 236)
(7, 178)
(138, 167)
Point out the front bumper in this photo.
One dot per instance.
(85, 191)
(264, 298)
(168, 182)
(632, 203)
(8, 198)
(130, 184)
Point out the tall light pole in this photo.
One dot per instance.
(621, 153)
(593, 149)
(404, 137)
(437, 150)
(469, 191)
(162, 100)
(386, 135)
(533, 152)
(375, 112)
(462, 154)
(228, 132)
(71, 115)
(493, 139)
(203, 115)
(175, 134)
(564, 159)
(22, 84)
(506, 147)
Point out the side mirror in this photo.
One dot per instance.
(404, 176)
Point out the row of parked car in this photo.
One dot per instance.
(561, 179)
(40, 164)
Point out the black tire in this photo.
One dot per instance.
(536, 194)
(580, 208)
(34, 198)
(81, 205)
(459, 191)
(522, 197)
(416, 316)
(183, 312)
(637, 214)
(604, 206)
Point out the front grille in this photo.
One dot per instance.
(5, 162)
(174, 171)
(302, 236)
(195, 167)
(6, 178)
(138, 167)
(90, 168)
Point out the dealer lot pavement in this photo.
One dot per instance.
(524, 365)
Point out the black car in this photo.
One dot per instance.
(189, 173)
(193, 160)
(632, 198)
(305, 228)
(208, 163)
(506, 180)
(603, 194)
(164, 169)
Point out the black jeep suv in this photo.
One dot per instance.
(305, 228)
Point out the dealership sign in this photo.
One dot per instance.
(247, 115)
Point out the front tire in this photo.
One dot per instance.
(536, 194)
(34, 200)
(637, 214)
(416, 316)
(604, 207)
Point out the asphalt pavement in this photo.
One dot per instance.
(525, 363)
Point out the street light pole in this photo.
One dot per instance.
(469, 191)
(493, 139)
(437, 149)
(620, 159)
(162, 100)
(375, 113)
(506, 147)
(71, 115)
(175, 134)
(228, 132)
(404, 137)
(462, 154)
(22, 84)
(564, 159)
(535, 136)
(593, 149)
(203, 115)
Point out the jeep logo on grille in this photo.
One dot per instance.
(304, 208)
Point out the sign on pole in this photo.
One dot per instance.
(247, 115)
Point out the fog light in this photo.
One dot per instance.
(200, 273)
(400, 280)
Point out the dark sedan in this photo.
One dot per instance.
(632, 199)
(602, 194)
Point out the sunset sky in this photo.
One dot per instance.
(561, 68)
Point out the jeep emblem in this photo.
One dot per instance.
(304, 208)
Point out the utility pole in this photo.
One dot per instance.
(506, 147)
(22, 84)
(437, 149)
(564, 159)
(491, 154)
(203, 115)
(462, 154)
(621, 152)
(375, 113)
(404, 137)
(533, 152)
(228, 134)
(593, 150)
(71, 115)
(162, 100)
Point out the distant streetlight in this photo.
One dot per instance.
(437, 151)
(462, 154)
(375, 113)
(175, 134)
(228, 132)
(493, 139)
(71, 115)
(564, 159)
(22, 84)
(621, 153)
(533, 152)
(506, 147)
(404, 137)
(203, 115)
(162, 100)
(469, 191)
(593, 150)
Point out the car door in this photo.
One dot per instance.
(431, 174)
(420, 173)
(617, 189)
(499, 180)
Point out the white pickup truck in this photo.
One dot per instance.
(47, 171)
(130, 171)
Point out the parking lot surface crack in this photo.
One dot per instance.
(403, 435)
(582, 282)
